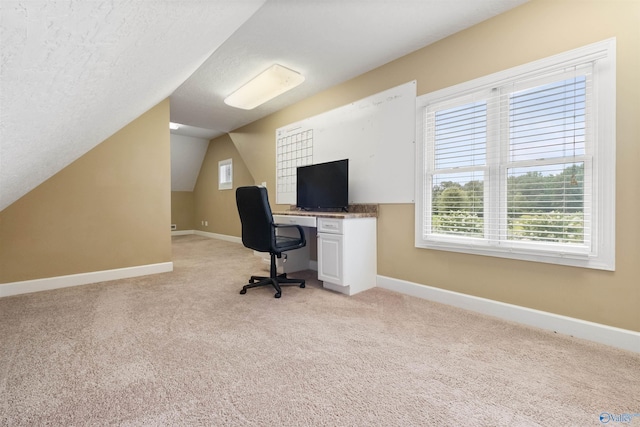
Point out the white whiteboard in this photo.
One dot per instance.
(376, 134)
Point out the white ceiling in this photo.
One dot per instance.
(75, 72)
(328, 41)
(187, 153)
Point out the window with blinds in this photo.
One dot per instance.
(459, 159)
(508, 164)
(546, 166)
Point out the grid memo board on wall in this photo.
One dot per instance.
(294, 147)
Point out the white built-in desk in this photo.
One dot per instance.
(346, 247)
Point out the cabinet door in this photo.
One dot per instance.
(330, 264)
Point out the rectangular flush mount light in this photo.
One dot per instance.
(272, 82)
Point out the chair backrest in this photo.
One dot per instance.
(258, 232)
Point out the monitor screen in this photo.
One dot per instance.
(323, 185)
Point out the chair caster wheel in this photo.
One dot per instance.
(302, 285)
(243, 291)
(277, 295)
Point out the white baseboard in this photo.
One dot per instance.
(49, 283)
(609, 335)
(225, 237)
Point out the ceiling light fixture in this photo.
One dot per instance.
(272, 82)
(174, 126)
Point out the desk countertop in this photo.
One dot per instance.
(341, 215)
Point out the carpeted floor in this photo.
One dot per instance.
(184, 348)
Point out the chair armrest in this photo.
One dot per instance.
(300, 230)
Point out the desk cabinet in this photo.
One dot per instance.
(330, 258)
(346, 250)
(347, 254)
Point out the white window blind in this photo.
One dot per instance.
(508, 164)
(545, 186)
(458, 135)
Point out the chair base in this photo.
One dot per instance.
(276, 282)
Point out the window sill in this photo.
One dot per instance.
(560, 258)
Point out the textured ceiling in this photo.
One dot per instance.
(328, 41)
(75, 72)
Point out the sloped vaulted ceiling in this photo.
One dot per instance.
(72, 73)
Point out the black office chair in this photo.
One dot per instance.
(259, 234)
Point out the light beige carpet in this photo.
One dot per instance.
(185, 348)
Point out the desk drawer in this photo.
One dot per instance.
(304, 221)
(330, 225)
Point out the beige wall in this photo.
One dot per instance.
(182, 210)
(535, 30)
(109, 209)
(218, 207)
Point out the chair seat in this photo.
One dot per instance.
(284, 243)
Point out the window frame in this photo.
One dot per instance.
(223, 183)
(600, 162)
